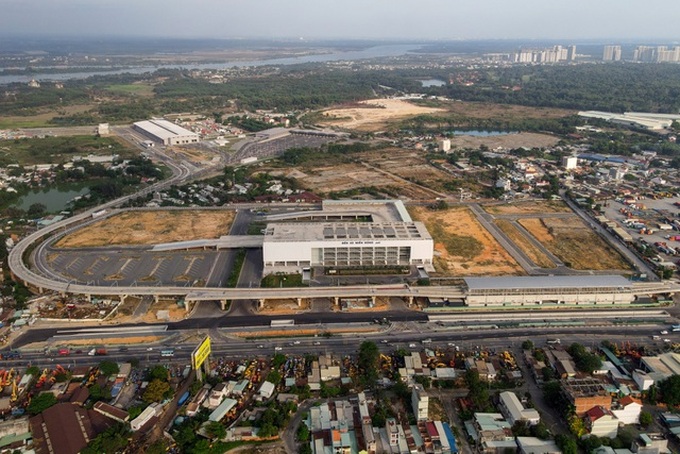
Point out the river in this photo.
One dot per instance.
(389, 50)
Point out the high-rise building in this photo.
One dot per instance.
(611, 53)
(571, 53)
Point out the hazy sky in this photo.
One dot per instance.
(412, 19)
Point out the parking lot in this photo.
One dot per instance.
(137, 266)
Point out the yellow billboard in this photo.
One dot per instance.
(200, 353)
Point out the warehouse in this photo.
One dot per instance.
(165, 132)
(527, 290)
(345, 244)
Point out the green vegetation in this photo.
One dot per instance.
(282, 280)
(585, 361)
(670, 390)
(467, 247)
(111, 441)
(615, 88)
(131, 89)
(368, 363)
(41, 402)
(58, 150)
(232, 281)
(108, 368)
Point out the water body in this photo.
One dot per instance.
(476, 133)
(432, 83)
(391, 50)
(56, 199)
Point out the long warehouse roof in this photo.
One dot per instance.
(163, 128)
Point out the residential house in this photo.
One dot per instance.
(601, 422)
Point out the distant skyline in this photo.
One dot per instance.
(601, 20)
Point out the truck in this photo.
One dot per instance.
(98, 214)
(64, 352)
(97, 352)
(553, 341)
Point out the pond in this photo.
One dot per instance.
(56, 198)
(477, 133)
(432, 83)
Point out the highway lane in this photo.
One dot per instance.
(397, 337)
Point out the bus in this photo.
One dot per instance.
(167, 353)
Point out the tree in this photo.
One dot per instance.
(111, 441)
(646, 418)
(670, 390)
(303, 433)
(158, 372)
(368, 361)
(41, 403)
(108, 368)
(98, 392)
(156, 391)
(567, 444)
(215, 430)
(36, 210)
(274, 377)
(527, 345)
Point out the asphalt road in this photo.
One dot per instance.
(408, 335)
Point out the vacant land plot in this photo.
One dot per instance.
(534, 253)
(42, 119)
(396, 172)
(462, 246)
(507, 141)
(485, 110)
(151, 227)
(574, 243)
(374, 114)
(529, 207)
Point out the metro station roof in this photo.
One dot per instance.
(533, 282)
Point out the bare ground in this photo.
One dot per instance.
(151, 227)
(534, 254)
(462, 246)
(528, 207)
(373, 114)
(575, 243)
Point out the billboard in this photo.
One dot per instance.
(200, 353)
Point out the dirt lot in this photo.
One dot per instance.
(399, 173)
(374, 114)
(534, 254)
(151, 227)
(474, 253)
(508, 141)
(574, 243)
(528, 207)
(485, 110)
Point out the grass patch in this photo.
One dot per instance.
(282, 280)
(236, 270)
(131, 89)
(55, 150)
(256, 228)
(372, 270)
(467, 247)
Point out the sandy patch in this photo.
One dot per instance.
(373, 114)
(508, 141)
(462, 246)
(151, 227)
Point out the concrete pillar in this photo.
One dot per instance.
(223, 304)
(260, 303)
(187, 306)
(156, 298)
(336, 300)
(89, 298)
(410, 300)
(123, 298)
(373, 299)
(299, 302)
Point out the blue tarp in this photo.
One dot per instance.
(450, 437)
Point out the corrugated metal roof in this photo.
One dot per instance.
(531, 282)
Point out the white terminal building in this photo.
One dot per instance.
(380, 241)
(165, 132)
